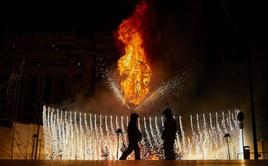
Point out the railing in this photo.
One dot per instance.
(259, 155)
(4, 85)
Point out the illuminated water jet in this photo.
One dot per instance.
(84, 136)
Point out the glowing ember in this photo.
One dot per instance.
(134, 70)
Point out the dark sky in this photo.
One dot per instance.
(105, 14)
(60, 16)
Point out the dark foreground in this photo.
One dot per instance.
(132, 163)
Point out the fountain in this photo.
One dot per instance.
(73, 135)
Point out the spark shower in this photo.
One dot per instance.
(83, 136)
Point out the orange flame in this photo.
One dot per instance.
(134, 70)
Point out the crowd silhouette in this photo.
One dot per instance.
(169, 134)
(135, 136)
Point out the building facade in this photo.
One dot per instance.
(39, 68)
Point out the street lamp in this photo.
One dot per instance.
(227, 135)
(240, 118)
(118, 132)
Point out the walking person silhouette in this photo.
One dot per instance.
(134, 136)
(169, 134)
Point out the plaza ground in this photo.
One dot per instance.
(133, 163)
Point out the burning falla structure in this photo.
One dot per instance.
(134, 69)
(132, 83)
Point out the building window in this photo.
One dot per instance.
(31, 47)
(44, 47)
(24, 47)
(37, 47)
(47, 88)
(78, 78)
(64, 47)
(60, 87)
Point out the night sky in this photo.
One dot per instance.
(221, 37)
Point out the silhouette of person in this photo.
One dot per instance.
(169, 134)
(134, 136)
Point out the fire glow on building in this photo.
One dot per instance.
(85, 136)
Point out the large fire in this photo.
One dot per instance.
(134, 70)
